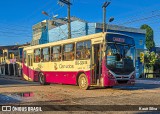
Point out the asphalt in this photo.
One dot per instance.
(9, 99)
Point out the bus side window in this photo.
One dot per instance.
(83, 50)
(56, 53)
(68, 52)
(45, 54)
(37, 55)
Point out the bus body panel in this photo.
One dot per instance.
(107, 81)
(29, 74)
(64, 77)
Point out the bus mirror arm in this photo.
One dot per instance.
(93, 65)
(103, 49)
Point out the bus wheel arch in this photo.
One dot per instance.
(42, 79)
(83, 81)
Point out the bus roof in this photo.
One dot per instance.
(82, 38)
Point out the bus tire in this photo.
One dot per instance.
(83, 82)
(42, 79)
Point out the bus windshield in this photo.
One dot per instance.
(120, 58)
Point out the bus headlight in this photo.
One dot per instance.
(133, 76)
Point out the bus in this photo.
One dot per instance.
(101, 59)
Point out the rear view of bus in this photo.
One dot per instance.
(118, 64)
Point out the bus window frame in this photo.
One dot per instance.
(41, 60)
(25, 61)
(51, 50)
(30, 60)
(89, 51)
(68, 52)
(34, 54)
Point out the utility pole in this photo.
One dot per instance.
(104, 14)
(67, 2)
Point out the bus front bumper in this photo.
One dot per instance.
(114, 82)
(125, 82)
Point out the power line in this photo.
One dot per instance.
(14, 29)
(137, 15)
(40, 8)
(20, 26)
(14, 34)
(12, 25)
(140, 19)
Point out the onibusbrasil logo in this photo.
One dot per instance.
(21, 108)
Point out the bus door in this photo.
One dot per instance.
(30, 66)
(96, 63)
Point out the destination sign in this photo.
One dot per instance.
(118, 39)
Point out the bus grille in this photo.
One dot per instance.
(122, 81)
(120, 77)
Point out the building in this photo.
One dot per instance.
(54, 30)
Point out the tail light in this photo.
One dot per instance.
(110, 76)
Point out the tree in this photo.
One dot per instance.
(150, 59)
(149, 36)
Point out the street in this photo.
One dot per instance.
(19, 92)
(10, 82)
(31, 93)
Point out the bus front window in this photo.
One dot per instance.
(119, 57)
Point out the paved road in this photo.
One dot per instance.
(18, 91)
(7, 83)
(11, 82)
(141, 84)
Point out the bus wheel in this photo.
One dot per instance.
(42, 79)
(83, 82)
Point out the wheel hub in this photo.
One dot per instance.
(83, 82)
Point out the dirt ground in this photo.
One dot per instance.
(56, 94)
(69, 94)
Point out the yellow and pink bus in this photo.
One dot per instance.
(102, 59)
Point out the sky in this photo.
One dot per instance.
(18, 16)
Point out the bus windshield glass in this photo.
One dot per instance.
(120, 58)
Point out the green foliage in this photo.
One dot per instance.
(150, 59)
(142, 57)
(149, 36)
